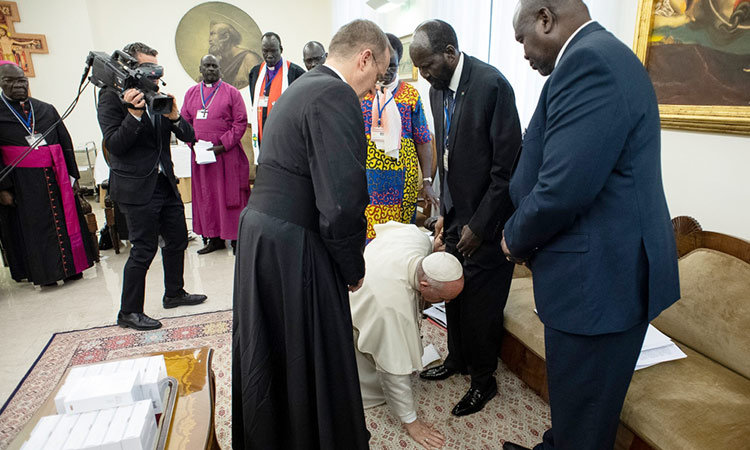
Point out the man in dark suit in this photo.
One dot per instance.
(478, 136)
(143, 183)
(592, 220)
(266, 87)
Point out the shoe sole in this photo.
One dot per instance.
(183, 304)
(130, 325)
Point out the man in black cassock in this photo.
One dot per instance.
(301, 237)
(44, 234)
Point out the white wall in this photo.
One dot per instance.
(74, 27)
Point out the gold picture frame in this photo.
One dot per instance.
(710, 17)
(406, 69)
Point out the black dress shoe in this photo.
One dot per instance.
(512, 446)
(440, 372)
(139, 321)
(473, 401)
(213, 245)
(183, 299)
(77, 276)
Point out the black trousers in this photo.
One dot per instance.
(475, 317)
(588, 377)
(164, 215)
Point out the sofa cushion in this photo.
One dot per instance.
(691, 403)
(713, 315)
(519, 318)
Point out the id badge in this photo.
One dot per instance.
(445, 159)
(202, 114)
(377, 135)
(33, 138)
(263, 102)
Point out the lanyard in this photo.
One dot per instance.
(210, 97)
(269, 79)
(28, 123)
(380, 110)
(448, 116)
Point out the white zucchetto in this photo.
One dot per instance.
(442, 266)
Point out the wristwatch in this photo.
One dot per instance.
(176, 120)
(427, 179)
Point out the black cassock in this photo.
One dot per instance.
(34, 233)
(301, 238)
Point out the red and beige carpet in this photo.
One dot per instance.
(516, 414)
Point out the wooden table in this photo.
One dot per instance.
(192, 425)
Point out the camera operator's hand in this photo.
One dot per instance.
(6, 198)
(135, 98)
(175, 113)
(218, 149)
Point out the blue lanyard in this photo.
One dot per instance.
(27, 123)
(380, 110)
(448, 118)
(203, 100)
(268, 79)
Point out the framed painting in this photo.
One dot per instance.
(406, 69)
(697, 53)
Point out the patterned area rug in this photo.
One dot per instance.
(516, 414)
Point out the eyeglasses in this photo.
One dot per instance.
(381, 76)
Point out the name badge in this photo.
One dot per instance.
(445, 159)
(34, 137)
(202, 114)
(263, 102)
(377, 136)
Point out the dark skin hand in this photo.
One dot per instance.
(469, 242)
(218, 149)
(6, 198)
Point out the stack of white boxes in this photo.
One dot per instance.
(107, 406)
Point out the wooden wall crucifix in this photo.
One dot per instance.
(18, 47)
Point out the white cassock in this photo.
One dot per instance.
(385, 318)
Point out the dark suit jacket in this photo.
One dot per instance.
(294, 72)
(591, 211)
(484, 139)
(135, 149)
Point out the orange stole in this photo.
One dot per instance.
(273, 94)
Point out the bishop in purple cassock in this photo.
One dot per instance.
(220, 189)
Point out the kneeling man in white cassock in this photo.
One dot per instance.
(386, 318)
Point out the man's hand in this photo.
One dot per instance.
(430, 196)
(355, 287)
(469, 242)
(175, 113)
(508, 256)
(425, 434)
(218, 149)
(6, 198)
(135, 98)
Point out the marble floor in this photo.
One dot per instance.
(29, 315)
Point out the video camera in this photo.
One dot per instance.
(122, 72)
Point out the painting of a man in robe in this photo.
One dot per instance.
(699, 52)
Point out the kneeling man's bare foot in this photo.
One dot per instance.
(427, 436)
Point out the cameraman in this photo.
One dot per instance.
(142, 181)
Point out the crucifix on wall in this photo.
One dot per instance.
(18, 47)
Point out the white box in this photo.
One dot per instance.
(103, 391)
(94, 369)
(125, 365)
(62, 431)
(80, 431)
(117, 428)
(141, 430)
(99, 428)
(70, 381)
(41, 432)
(156, 370)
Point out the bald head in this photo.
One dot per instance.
(543, 27)
(313, 54)
(13, 82)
